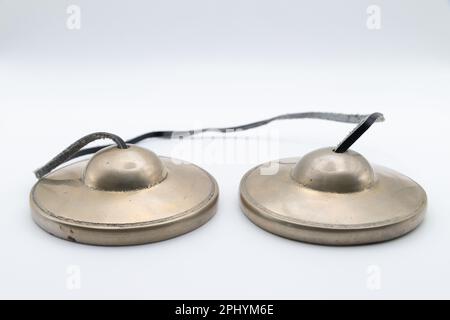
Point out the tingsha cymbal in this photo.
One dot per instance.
(124, 196)
(333, 196)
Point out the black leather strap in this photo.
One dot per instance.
(68, 153)
(358, 132)
(76, 150)
(336, 117)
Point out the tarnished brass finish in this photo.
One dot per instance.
(333, 199)
(124, 197)
(114, 169)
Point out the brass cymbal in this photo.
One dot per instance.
(124, 197)
(332, 199)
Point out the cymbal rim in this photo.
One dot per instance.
(320, 233)
(117, 234)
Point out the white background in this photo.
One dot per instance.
(138, 66)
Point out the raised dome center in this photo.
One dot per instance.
(114, 169)
(326, 170)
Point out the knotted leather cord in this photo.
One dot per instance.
(75, 150)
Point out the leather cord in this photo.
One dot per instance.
(356, 133)
(336, 117)
(76, 150)
(68, 153)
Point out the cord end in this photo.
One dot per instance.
(360, 129)
(380, 118)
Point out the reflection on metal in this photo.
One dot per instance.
(333, 199)
(124, 197)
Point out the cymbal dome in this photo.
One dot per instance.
(328, 171)
(114, 169)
